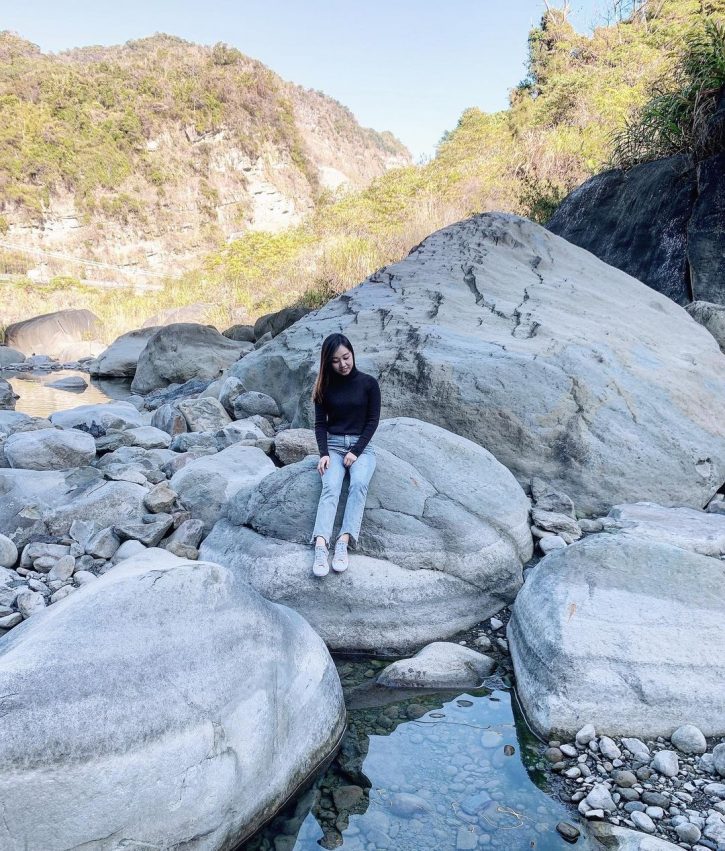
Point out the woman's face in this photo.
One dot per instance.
(342, 361)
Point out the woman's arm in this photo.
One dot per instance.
(371, 420)
(321, 429)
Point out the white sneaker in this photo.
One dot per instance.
(320, 567)
(339, 559)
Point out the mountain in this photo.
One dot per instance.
(153, 152)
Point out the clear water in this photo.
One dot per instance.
(418, 771)
(38, 399)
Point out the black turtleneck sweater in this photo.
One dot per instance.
(351, 406)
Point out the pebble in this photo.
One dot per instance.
(655, 812)
(689, 739)
(62, 569)
(689, 833)
(586, 734)
(568, 831)
(8, 552)
(496, 623)
(643, 822)
(608, 748)
(637, 748)
(624, 778)
(568, 750)
(667, 763)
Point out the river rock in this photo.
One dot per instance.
(718, 759)
(697, 531)
(689, 739)
(160, 499)
(169, 419)
(237, 431)
(206, 484)
(10, 357)
(194, 658)
(578, 610)
(8, 396)
(50, 449)
(8, 552)
(473, 332)
(103, 416)
(294, 444)
(275, 323)
(107, 504)
(441, 664)
(666, 763)
(206, 414)
(240, 333)
(183, 351)
(127, 549)
(119, 360)
(148, 437)
(30, 603)
(62, 334)
(445, 533)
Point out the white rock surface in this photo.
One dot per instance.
(623, 633)
(560, 365)
(441, 664)
(689, 739)
(8, 552)
(211, 686)
(616, 838)
(106, 415)
(444, 536)
(697, 531)
(50, 449)
(120, 358)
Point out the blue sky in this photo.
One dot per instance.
(409, 66)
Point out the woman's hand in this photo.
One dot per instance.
(349, 459)
(323, 464)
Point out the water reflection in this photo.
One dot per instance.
(38, 399)
(424, 771)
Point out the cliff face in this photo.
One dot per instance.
(662, 222)
(150, 153)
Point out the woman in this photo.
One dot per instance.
(347, 412)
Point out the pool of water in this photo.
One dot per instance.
(442, 771)
(38, 399)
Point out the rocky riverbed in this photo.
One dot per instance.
(551, 494)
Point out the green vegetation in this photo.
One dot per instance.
(677, 117)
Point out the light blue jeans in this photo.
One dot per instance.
(361, 472)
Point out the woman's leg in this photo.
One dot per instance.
(360, 474)
(332, 480)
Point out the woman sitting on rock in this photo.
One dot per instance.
(347, 412)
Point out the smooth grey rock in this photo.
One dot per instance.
(10, 356)
(560, 524)
(119, 360)
(718, 759)
(441, 664)
(581, 605)
(182, 351)
(715, 829)
(712, 317)
(8, 552)
(193, 441)
(236, 432)
(275, 323)
(240, 333)
(188, 534)
(637, 748)
(444, 562)
(106, 415)
(250, 403)
(50, 449)
(551, 543)
(204, 414)
(693, 530)
(194, 658)
(294, 444)
(61, 334)
(473, 332)
(666, 763)
(608, 748)
(689, 739)
(69, 382)
(149, 437)
(8, 396)
(586, 734)
(689, 833)
(643, 822)
(600, 799)
(127, 549)
(84, 577)
(62, 569)
(11, 620)
(206, 484)
(106, 503)
(231, 388)
(103, 544)
(549, 499)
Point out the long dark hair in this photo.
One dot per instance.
(330, 345)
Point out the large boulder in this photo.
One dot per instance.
(61, 334)
(275, 323)
(120, 358)
(445, 534)
(563, 367)
(204, 709)
(9, 357)
(51, 449)
(624, 634)
(99, 417)
(182, 351)
(698, 531)
(205, 485)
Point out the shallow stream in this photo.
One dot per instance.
(443, 771)
(39, 399)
